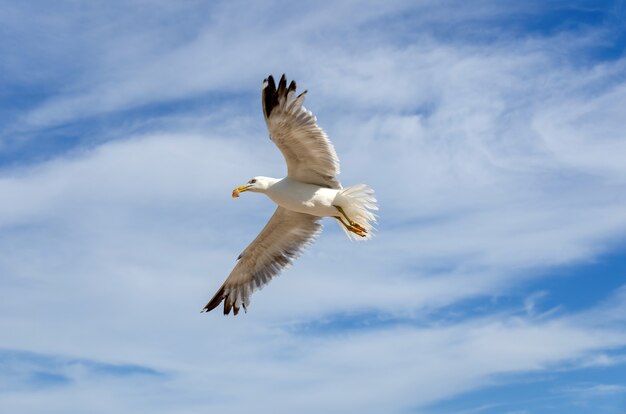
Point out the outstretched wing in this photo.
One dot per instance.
(280, 242)
(310, 156)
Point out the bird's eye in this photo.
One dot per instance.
(252, 181)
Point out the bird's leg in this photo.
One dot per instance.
(352, 223)
(350, 227)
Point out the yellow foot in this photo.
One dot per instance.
(358, 227)
(357, 230)
(352, 226)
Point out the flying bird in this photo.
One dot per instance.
(309, 192)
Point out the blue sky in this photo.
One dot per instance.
(491, 131)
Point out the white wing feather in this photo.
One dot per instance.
(310, 156)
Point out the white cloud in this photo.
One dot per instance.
(245, 366)
(127, 246)
(491, 162)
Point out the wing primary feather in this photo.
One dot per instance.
(227, 306)
(282, 86)
(270, 100)
(215, 301)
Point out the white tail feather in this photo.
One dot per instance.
(358, 202)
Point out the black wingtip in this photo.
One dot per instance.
(227, 307)
(270, 98)
(272, 95)
(282, 86)
(215, 301)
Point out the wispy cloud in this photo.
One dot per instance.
(24, 371)
(495, 147)
(597, 390)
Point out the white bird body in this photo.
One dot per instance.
(304, 198)
(309, 192)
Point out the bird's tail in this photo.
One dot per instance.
(359, 203)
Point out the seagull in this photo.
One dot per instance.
(309, 192)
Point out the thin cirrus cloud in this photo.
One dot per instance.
(494, 146)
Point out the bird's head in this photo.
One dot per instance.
(257, 185)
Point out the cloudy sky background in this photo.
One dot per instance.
(493, 133)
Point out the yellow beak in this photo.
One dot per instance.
(241, 189)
